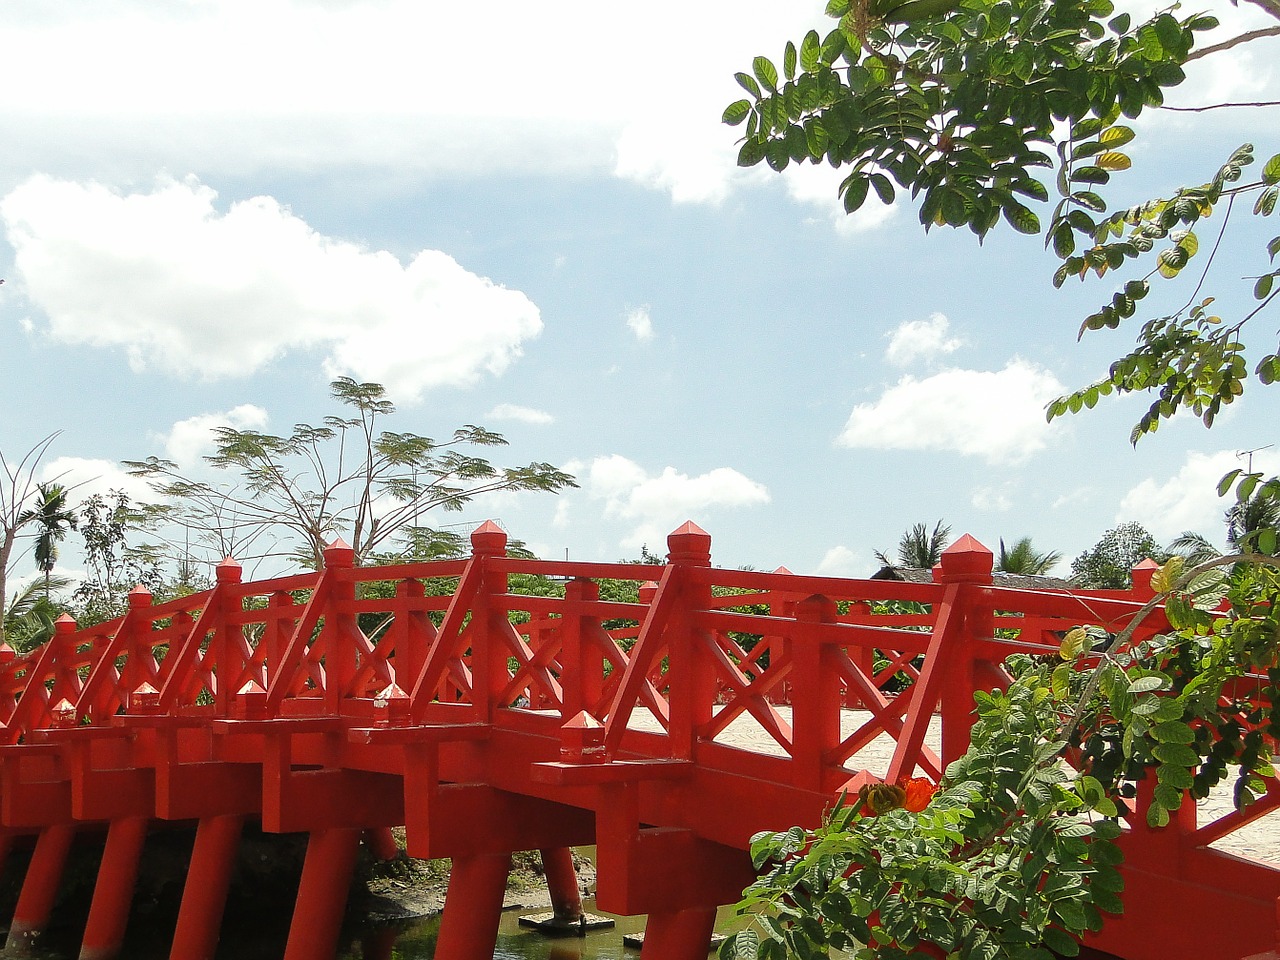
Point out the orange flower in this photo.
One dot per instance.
(919, 792)
(909, 793)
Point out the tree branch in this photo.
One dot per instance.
(1220, 106)
(1271, 6)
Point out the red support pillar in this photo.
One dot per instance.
(6, 846)
(39, 888)
(562, 884)
(322, 893)
(381, 843)
(205, 895)
(473, 906)
(685, 935)
(113, 890)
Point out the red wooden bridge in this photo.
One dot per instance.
(345, 702)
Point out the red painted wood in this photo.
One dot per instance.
(485, 733)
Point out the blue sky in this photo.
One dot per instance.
(527, 216)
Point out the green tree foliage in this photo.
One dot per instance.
(347, 477)
(1014, 855)
(1251, 525)
(983, 108)
(1109, 563)
(53, 518)
(1248, 521)
(1023, 558)
(113, 566)
(29, 617)
(18, 493)
(919, 547)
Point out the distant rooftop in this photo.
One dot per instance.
(1020, 580)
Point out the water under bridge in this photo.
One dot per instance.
(486, 720)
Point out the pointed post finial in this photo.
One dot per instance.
(228, 571)
(339, 554)
(690, 544)
(965, 561)
(489, 540)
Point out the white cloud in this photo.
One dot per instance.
(840, 561)
(993, 499)
(1189, 499)
(819, 187)
(997, 415)
(85, 477)
(640, 323)
(185, 288)
(191, 439)
(511, 411)
(920, 340)
(687, 157)
(653, 506)
(409, 95)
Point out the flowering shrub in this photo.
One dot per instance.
(1013, 856)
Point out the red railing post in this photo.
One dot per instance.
(815, 692)
(341, 658)
(488, 654)
(67, 685)
(691, 677)
(281, 616)
(969, 563)
(228, 575)
(1140, 579)
(582, 681)
(411, 633)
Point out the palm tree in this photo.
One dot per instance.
(28, 620)
(53, 519)
(920, 548)
(1194, 547)
(1022, 559)
(1246, 518)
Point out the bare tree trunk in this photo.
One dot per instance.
(6, 549)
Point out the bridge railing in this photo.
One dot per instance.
(704, 652)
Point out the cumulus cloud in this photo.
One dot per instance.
(640, 323)
(920, 340)
(87, 476)
(195, 292)
(997, 415)
(511, 411)
(1189, 499)
(702, 169)
(653, 506)
(192, 438)
(840, 561)
(993, 499)
(818, 186)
